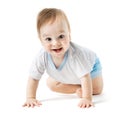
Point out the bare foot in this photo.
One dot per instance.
(79, 92)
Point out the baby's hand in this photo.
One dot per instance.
(85, 103)
(32, 102)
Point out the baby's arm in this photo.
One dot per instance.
(31, 93)
(86, 85)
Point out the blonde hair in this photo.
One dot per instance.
(50, 15)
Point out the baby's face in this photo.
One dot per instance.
(55, 38)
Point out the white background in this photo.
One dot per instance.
(94, 24)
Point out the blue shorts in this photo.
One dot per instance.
(97, 69)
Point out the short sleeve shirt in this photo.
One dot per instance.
(77, 62)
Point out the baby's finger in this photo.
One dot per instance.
(83, 105)
(88, 105)
(37, 103)
(24, 105)
(80, 105)
(32, 105)
(28, 104)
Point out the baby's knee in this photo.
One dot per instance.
(97, 91)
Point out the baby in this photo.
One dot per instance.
(71, 68)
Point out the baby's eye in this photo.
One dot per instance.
(61, 36)
(48, 39)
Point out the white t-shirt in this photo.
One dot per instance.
(77, 62)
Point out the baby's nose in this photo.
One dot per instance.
(55, 42)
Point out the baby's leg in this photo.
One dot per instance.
(97, 84)
(60, 87)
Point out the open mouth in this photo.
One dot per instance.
(57, 50)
